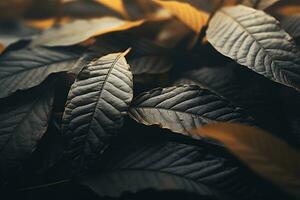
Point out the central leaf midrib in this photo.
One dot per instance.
(249, 34)
(101, 89)
(166, 109)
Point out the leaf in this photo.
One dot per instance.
(183, 108)
(26, 68)
(171, 166)
(243, 88)
(259, 4)
(256, 40)
(81, 30)
(96, 104)
(193, 18)
(255, 147)
(291, 24)
(23, 121)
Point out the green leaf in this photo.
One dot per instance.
(26, 68)
(96, 104)
(182, 108)
(256, 40)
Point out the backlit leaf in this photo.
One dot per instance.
(193, 18)
(268, 156)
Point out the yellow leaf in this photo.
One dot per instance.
(116, 5)
(265, 154)
(187, 14)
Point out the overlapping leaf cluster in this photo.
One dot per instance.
(79, 80)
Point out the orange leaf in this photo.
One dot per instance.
(187, 14)
(263, 153)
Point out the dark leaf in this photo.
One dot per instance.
(244, 88)
(26, 68)
(182, 108)
(23, 121)
(96, 104)
(172, 166)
